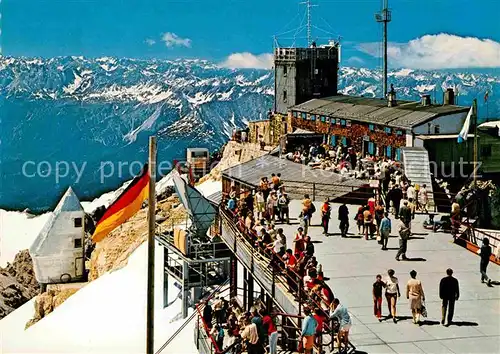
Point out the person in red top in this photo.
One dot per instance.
(290, 262)
(318, 316)
(272, 332)
(298, 242)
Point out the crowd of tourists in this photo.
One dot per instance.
(258, 213)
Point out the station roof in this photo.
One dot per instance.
(293, 174)
(407, 114)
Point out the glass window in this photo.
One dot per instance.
(344, 141)
(78, 222)
(436, 129)
(78, 243)
(333, 140)
(388, 152)
(285, 70)
(399, 132)
(304, 116)
(285, 97)
(313, 117)
(323, 119)
(398, 154)
(371, 148)
(371, 127)
(387, 130)
(342, 122)
(295, 114)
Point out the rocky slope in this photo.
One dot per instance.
(17, 283)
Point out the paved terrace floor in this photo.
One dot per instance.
(352, 263)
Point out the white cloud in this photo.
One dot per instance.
(247, 60)
(439, 51)
(150, 41)
(355, 61)
(173, 40)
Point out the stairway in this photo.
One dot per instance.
(417, 169)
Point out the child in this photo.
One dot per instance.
(377, 297)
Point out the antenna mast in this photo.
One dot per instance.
(384, 17)
(309, 6)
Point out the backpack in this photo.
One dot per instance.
(312, 208)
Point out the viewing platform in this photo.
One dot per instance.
(350, 266)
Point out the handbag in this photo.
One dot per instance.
(423, 310)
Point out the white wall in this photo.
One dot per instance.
(409, 139)
(418, 142)
(450, 124)
(57, 255)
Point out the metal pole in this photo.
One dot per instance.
(385, 14)
(165, 277)
(151, 247)
(474, 111)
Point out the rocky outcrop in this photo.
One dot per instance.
(113, 251)
(234, 154)
(46, 302)
(17, 283)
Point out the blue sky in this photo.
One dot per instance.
(218, 28)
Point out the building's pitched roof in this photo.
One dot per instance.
(407, 114)
(295, 174)
(68, 202)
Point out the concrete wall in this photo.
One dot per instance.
(285, 83)
(450, 124)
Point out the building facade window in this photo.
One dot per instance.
(348, 123)
(323, 119)
(437, 129)
(313, 117)
(388, 151)
(304, 116)
(285, 70)
(398, 154)
(399, 132)
(371, 148)
(344, 141)
(78, 243)
(285, 98)
(295, 114)
(388, 130)
(78, 222)
(342, 123)
(371, 127)
(333, 140)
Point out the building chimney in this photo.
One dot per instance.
(391, 97)
(449, 96)
(426, 100)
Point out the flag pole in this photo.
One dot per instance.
(151, 247)
(474, 109)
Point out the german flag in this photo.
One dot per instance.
(124, 207)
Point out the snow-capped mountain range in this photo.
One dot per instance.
(79, 110)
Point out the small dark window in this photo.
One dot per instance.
(399, 132)
(486, 151)
(295, 114)
(371, 127)
(436, 129)
(304, 116)
(313, 117)
(78, 243)
(343, 122)
(285, 70)
(387, 130)
(78, 222)
(284, 96)
(323, 118)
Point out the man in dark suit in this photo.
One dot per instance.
(449, 293)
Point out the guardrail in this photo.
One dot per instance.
(266, 275)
